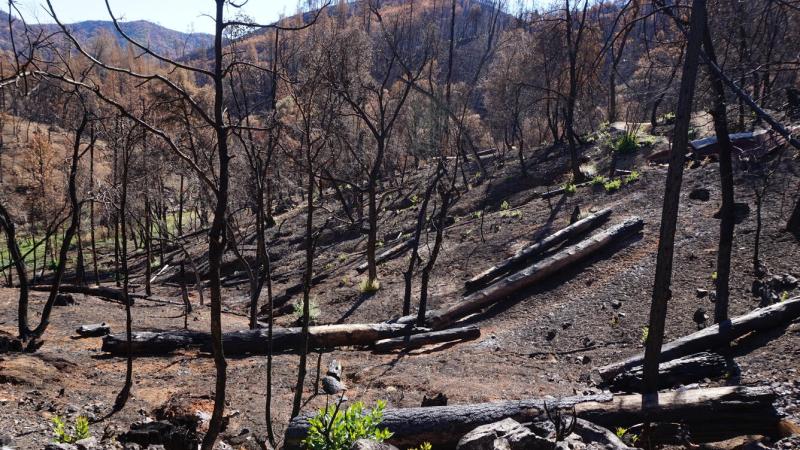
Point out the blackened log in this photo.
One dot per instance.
(253, 342)
(423, 339)
(714, 336)
(538, 248)
(711, 414)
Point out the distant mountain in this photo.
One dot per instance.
(160, 39)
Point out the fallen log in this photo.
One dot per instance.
(688, 369)
(104, 292)
(388, 253)
(93, 330)
(252, 342)
(442, 318)
(96, 291)
(537, 248)
(710, 414)
(423, 339)
(714, 336)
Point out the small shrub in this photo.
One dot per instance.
(423, 446)
(627, 143)
(714, 276)
(342, 257)
(599, 180)
(620, 431)
(477, 214)
(612, 185)
(516, 214)
(78, 432)
(313, 310)
(570, 188)
(645, 334)
(332, 429)
(667, 119)
(632, 177)
(784, 296)
(647, 140)
(368, 286)
(505, 206)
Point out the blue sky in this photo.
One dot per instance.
(180, 15)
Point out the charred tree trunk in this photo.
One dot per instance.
(541, 246)
(669, 215)
(423, 339)
(254, 342)
(442, 318)
(714, 336)
(216, 233)
(711, 414)
(727, 218)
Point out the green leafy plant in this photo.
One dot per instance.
(423, 446)
(667, 118)
(632, 177)
(505, 206)
(627, 143)
(369, 287)
(645, 334)
(332, 429)
(714, 276)
(647, 140)
(612, 185)
(620, 431)
(570, 188)
(313, 310)
(477, 214)
(599, 180)
(78, 432)
(784, 296)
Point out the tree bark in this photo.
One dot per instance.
(727, 217)
(714, 336)
(685, 370)
(216, 233)
(669, 213)
(711, 414)
(793, 226)
(423, 339)
(442, 318)
(254, 342)
(538, 248)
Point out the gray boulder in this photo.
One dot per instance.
(369, 444)
(508, 434)
(57, 446)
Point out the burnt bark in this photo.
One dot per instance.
(669, 214)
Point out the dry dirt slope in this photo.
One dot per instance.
(603, 301)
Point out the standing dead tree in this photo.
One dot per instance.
(669, 215)
(212, 116)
